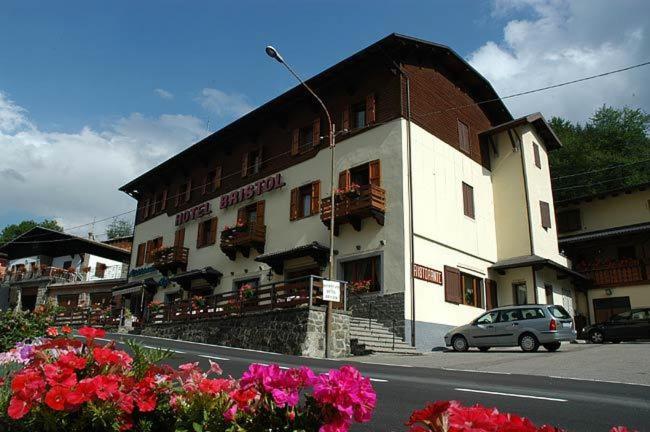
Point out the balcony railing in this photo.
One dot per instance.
(354, 206)
(616, 272)
(69, 275)
(242, 239)
(292, 293)
(170, 258)
(77, 316)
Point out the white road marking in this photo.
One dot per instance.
(284, 367)
(511, 395)
(599, 381)
(213, 357)
(165, 349)
(477, 371)
(261, 364)
(378, 380)
(383, 364)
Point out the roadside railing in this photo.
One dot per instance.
(69, 275)
(305, 291)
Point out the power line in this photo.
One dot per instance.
(601, 169)
(537, 89)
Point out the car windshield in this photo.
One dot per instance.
(487, 318)
(621, 317)
(559, 312)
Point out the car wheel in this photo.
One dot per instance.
(596, 336)
(484, 349)
(552, 347)
(528, 342)
(459, 343)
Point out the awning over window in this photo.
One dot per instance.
(135, 286)
(209, 274)
(535, 261)
(276, 260)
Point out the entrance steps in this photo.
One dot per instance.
(369, 336)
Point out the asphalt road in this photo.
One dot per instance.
(572, 404)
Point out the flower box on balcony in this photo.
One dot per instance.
(170, 258)
(243, 237)
(355, 204)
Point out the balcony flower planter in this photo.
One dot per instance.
(241, 238)
(362, 286)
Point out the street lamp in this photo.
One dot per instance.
(274, 54)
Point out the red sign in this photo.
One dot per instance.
(249, 191)
(427, 274)
(193, 213)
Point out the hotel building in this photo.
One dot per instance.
(443, 210)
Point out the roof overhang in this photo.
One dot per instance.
(537, 120)
(637, 229)
(208, 274)
(536, 261)
(43, 241)
(276, 260)
(602, 195)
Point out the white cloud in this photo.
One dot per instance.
(164, 94)
(75, 176)
(566, 40)
(224, 104)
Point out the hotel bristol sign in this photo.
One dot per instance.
(252, 190)
(195, 212)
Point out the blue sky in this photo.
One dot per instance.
(94, 93)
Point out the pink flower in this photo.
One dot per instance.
(215, 368)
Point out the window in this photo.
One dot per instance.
(453, 288)
(545, 211)
(520, 293)
(207, 234)
(358, 115)
(468, 200)
(160, 202)
(100, 299)
(568, 220)
(471, 286)
(625, 316)
(100, 270)
(488, 318)
(142, 247)
(67, 264)
(538, 161)
(305, 201)
(361, 175)
(251, 162)
(463, 137)
(179, 237)
(306, 138)
(532, 313)
(152, 245)
(364, 272)
(255, 282)
(559, 312)
(145, 208)
(640, 315)
(510, 315)
(184, 193)
(491, 296)
(548, 289)
(212, 181)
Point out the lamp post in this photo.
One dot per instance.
(273, 53)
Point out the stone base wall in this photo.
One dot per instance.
(296, 331)
(384, 308)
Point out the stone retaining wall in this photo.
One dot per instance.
(384, 309)
(298, 331)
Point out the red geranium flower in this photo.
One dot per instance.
(106, 386)
(66, 329)
(55, 398)
(18, 408)
(91, 333)
(214, 386)
(429, 414)
(58, 374)
(52, 332)
(72, 361)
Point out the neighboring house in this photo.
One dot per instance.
(69, 270)
(607, 236)
(480, 197)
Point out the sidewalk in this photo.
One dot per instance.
(622, 363)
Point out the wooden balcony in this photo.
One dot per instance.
(352, 208)
(242, 239)
(616, 273)
(170, 258)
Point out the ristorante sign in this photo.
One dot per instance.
(249, 191)
(193, 213)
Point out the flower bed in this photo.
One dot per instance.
(69, 385)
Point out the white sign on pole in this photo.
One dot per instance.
(331, 290)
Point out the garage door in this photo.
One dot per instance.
(606, 307)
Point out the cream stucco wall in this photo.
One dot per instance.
(639, 296)
(383, 142)
(612, 211)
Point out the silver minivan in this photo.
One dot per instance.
(528, 326)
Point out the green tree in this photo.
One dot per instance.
(11, 232)
(612, 150)
(119, 228)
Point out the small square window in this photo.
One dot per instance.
(255, 161)
(306, 138)
(358, 115)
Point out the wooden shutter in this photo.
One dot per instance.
(463, 137)
(188, 190)
(142, 248)
(370, 108)
(177, 197)
(490, 294)
(260, 212)
(468, 200)
(538, 162)
(148, 256)
(163, 204)
(179, 237)
(217, 177)
(316, 133)
(244, 165)
(145, 210)
(546, 214)
(213, 230)
(295, 142)
(315, 197)
(206, 180)
(374, 172)
(453, 290)
(344, 179)
(199, 236)
(346, 118)
(293, 207)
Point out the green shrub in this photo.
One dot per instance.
(18, 326)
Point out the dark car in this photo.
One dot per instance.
(630, 325)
